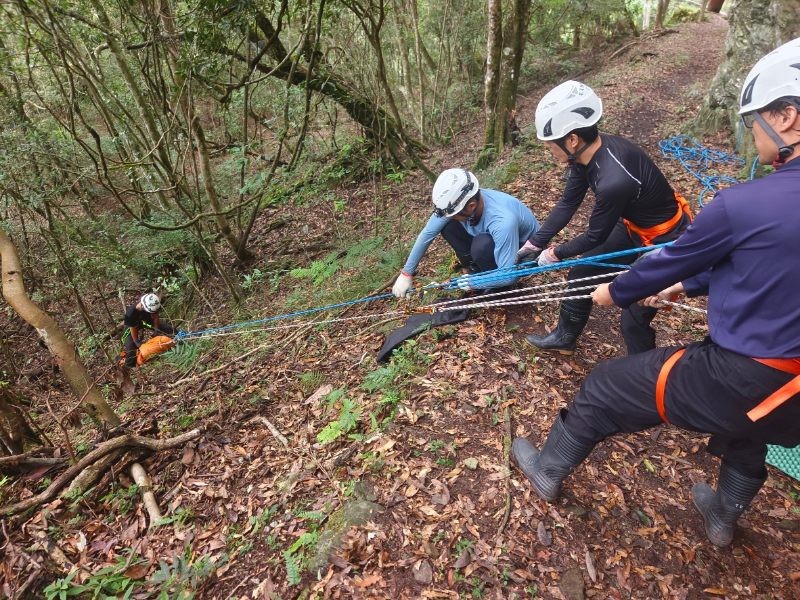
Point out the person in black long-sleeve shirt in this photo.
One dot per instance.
(741, 385)
(634, 206)
(138, 317)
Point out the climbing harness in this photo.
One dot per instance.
(648, 234)
(762, 409)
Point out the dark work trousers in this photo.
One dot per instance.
(709, 390)
(635, 321)
(473, 252)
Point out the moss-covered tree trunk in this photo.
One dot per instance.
(505, 46)
(81, 382)
(756, 27)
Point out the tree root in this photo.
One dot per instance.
(123, 441)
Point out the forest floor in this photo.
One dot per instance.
(438, 511)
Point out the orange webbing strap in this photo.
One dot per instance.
(787, 365)
(648, 234)
(661, 383)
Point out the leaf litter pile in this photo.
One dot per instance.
(323, 474)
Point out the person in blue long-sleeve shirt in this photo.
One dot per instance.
(741, 384)
(484, 227)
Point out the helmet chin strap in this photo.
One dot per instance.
(784, 150)
(572, 157)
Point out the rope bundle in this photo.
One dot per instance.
(699, 160)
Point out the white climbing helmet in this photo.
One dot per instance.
(150, 303)
(452, 191)
(567, 107)
(776, 75)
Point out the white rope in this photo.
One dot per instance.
(541, 298)
(508, 302)
(295, 325)
(546, 295)
(684, 306)
(533, 287)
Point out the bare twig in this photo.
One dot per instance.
(92, 474)
(62, 427)
(507, 456)
(273, 430)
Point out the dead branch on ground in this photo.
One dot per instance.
(123, 441)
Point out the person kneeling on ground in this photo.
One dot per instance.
(485, 228)
(138, 317)
(634, 206)
(740, 384)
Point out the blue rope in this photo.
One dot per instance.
(753, 167)
(482, 280)
(608, 265)
(698, 160)
(185, 335)
(520, 270)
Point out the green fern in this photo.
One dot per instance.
(379, 379)
(186, 354)
(309, 538)
(319, 270)
(292, 568)
(349, 413)
(365, 248)
(312, 515)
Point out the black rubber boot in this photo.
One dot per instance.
(571, 321)
(546, 469)
(721, 507)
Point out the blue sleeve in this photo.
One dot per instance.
(432, 228)
(705, 243)
(697, 285)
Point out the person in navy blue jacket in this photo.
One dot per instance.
(741, 383)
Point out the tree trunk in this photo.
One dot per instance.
(661, 13)
(422, 91)
(756, 28)
(186, 102)
(14, 429)
(504, 50)
(379, 126)
(81, 382)
(494, 47)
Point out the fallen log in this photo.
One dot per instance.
(123, 441)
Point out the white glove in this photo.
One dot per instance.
(528, 252)
(548, 257)
(402, 287)
(463, 283)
